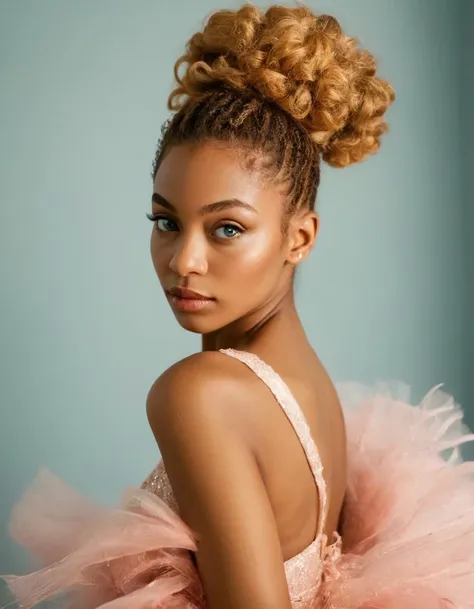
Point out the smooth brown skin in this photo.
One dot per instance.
(237, 469)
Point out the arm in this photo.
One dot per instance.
(196, 411)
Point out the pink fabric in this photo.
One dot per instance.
(408, 521)
(408, 525)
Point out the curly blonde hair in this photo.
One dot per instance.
(285, 82)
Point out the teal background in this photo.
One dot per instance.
(466, 95)
(387, 293)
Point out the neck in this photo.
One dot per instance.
(276, 319)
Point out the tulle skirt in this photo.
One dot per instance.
(407, 527)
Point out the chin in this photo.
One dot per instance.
(197, 324)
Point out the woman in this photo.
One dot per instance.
(246, 508)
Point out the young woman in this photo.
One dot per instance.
(267, 495)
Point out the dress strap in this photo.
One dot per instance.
(291, 408)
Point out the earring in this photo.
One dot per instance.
(300, 255)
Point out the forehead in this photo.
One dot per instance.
(210, 172)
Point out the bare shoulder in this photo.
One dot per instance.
(204, 390)
(200, 411)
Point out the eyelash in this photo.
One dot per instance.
(155, 217)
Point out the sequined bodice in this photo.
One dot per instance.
(304, 571)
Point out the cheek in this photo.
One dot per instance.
(257, 257)
(158, 254)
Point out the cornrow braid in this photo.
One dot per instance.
(269, 138)
(286, 87)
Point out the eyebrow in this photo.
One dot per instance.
(206, 209)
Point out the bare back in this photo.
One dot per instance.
(282, 460)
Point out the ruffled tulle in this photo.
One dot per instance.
(136, 556)
(407, 525)
(408, 520)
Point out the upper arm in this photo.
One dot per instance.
(195, 413)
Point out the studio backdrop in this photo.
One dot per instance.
(388, 292)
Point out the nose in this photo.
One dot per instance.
(189, 256)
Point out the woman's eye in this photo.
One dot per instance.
(166, 225)
(228, 231)
(162, 223)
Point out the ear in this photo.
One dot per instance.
(302, 232)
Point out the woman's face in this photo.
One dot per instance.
(217, 244)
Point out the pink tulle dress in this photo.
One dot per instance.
(406, 539)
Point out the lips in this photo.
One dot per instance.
(187, 294)
(188, 301)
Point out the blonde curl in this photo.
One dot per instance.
(301, 61)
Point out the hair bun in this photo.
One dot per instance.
(301, 61)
